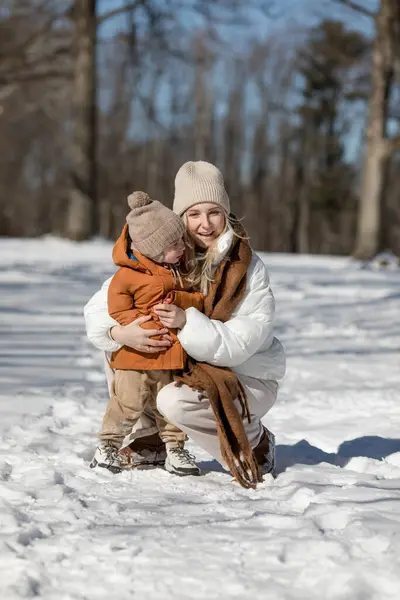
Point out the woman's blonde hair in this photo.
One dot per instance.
(199, 266)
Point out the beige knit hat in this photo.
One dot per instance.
(197, 183)
(152, 226)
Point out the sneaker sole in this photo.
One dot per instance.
(183, 473)
(114, 470)
(137, 465)
(143, 466)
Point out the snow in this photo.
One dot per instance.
(327, 528)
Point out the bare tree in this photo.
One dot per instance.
(82, 205)
(378, 144)
(271, 73)
(34, 73)
(233, 136)
(203, 100)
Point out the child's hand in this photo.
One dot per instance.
(170, 315)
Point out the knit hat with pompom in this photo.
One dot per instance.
(152, 226)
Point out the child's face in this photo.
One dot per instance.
(174, 253)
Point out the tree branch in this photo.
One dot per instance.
(14, 78)
(354, 6)
(20, 50)
(118, 11)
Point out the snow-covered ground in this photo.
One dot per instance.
(327, 528)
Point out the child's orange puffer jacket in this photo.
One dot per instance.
(135, 288)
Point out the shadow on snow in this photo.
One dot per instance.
(304, 453)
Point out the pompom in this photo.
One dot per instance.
(138, 199)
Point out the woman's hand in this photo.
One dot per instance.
(136, 337)
(170, 315)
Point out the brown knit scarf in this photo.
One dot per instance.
(220, 384)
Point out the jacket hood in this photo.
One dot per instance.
(121, 251)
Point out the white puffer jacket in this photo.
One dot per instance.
(245, 342)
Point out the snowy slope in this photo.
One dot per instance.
(327, 528)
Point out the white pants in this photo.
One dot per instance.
(192, 412)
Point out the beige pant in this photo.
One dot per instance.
(131, 393)
(192, 412)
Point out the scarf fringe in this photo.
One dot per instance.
(235, 446)
(242, 397)
(244, 469)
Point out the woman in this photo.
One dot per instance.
(237, 333)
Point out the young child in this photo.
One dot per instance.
(148, 253)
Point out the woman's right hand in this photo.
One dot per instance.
(134, 336)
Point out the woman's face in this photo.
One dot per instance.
(205, 222)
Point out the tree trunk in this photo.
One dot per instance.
(202, 101)
(303, 208)
(303, 221)
(369, 213)
(82, 206)
(377, 146)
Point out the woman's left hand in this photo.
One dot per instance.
(170, 315)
